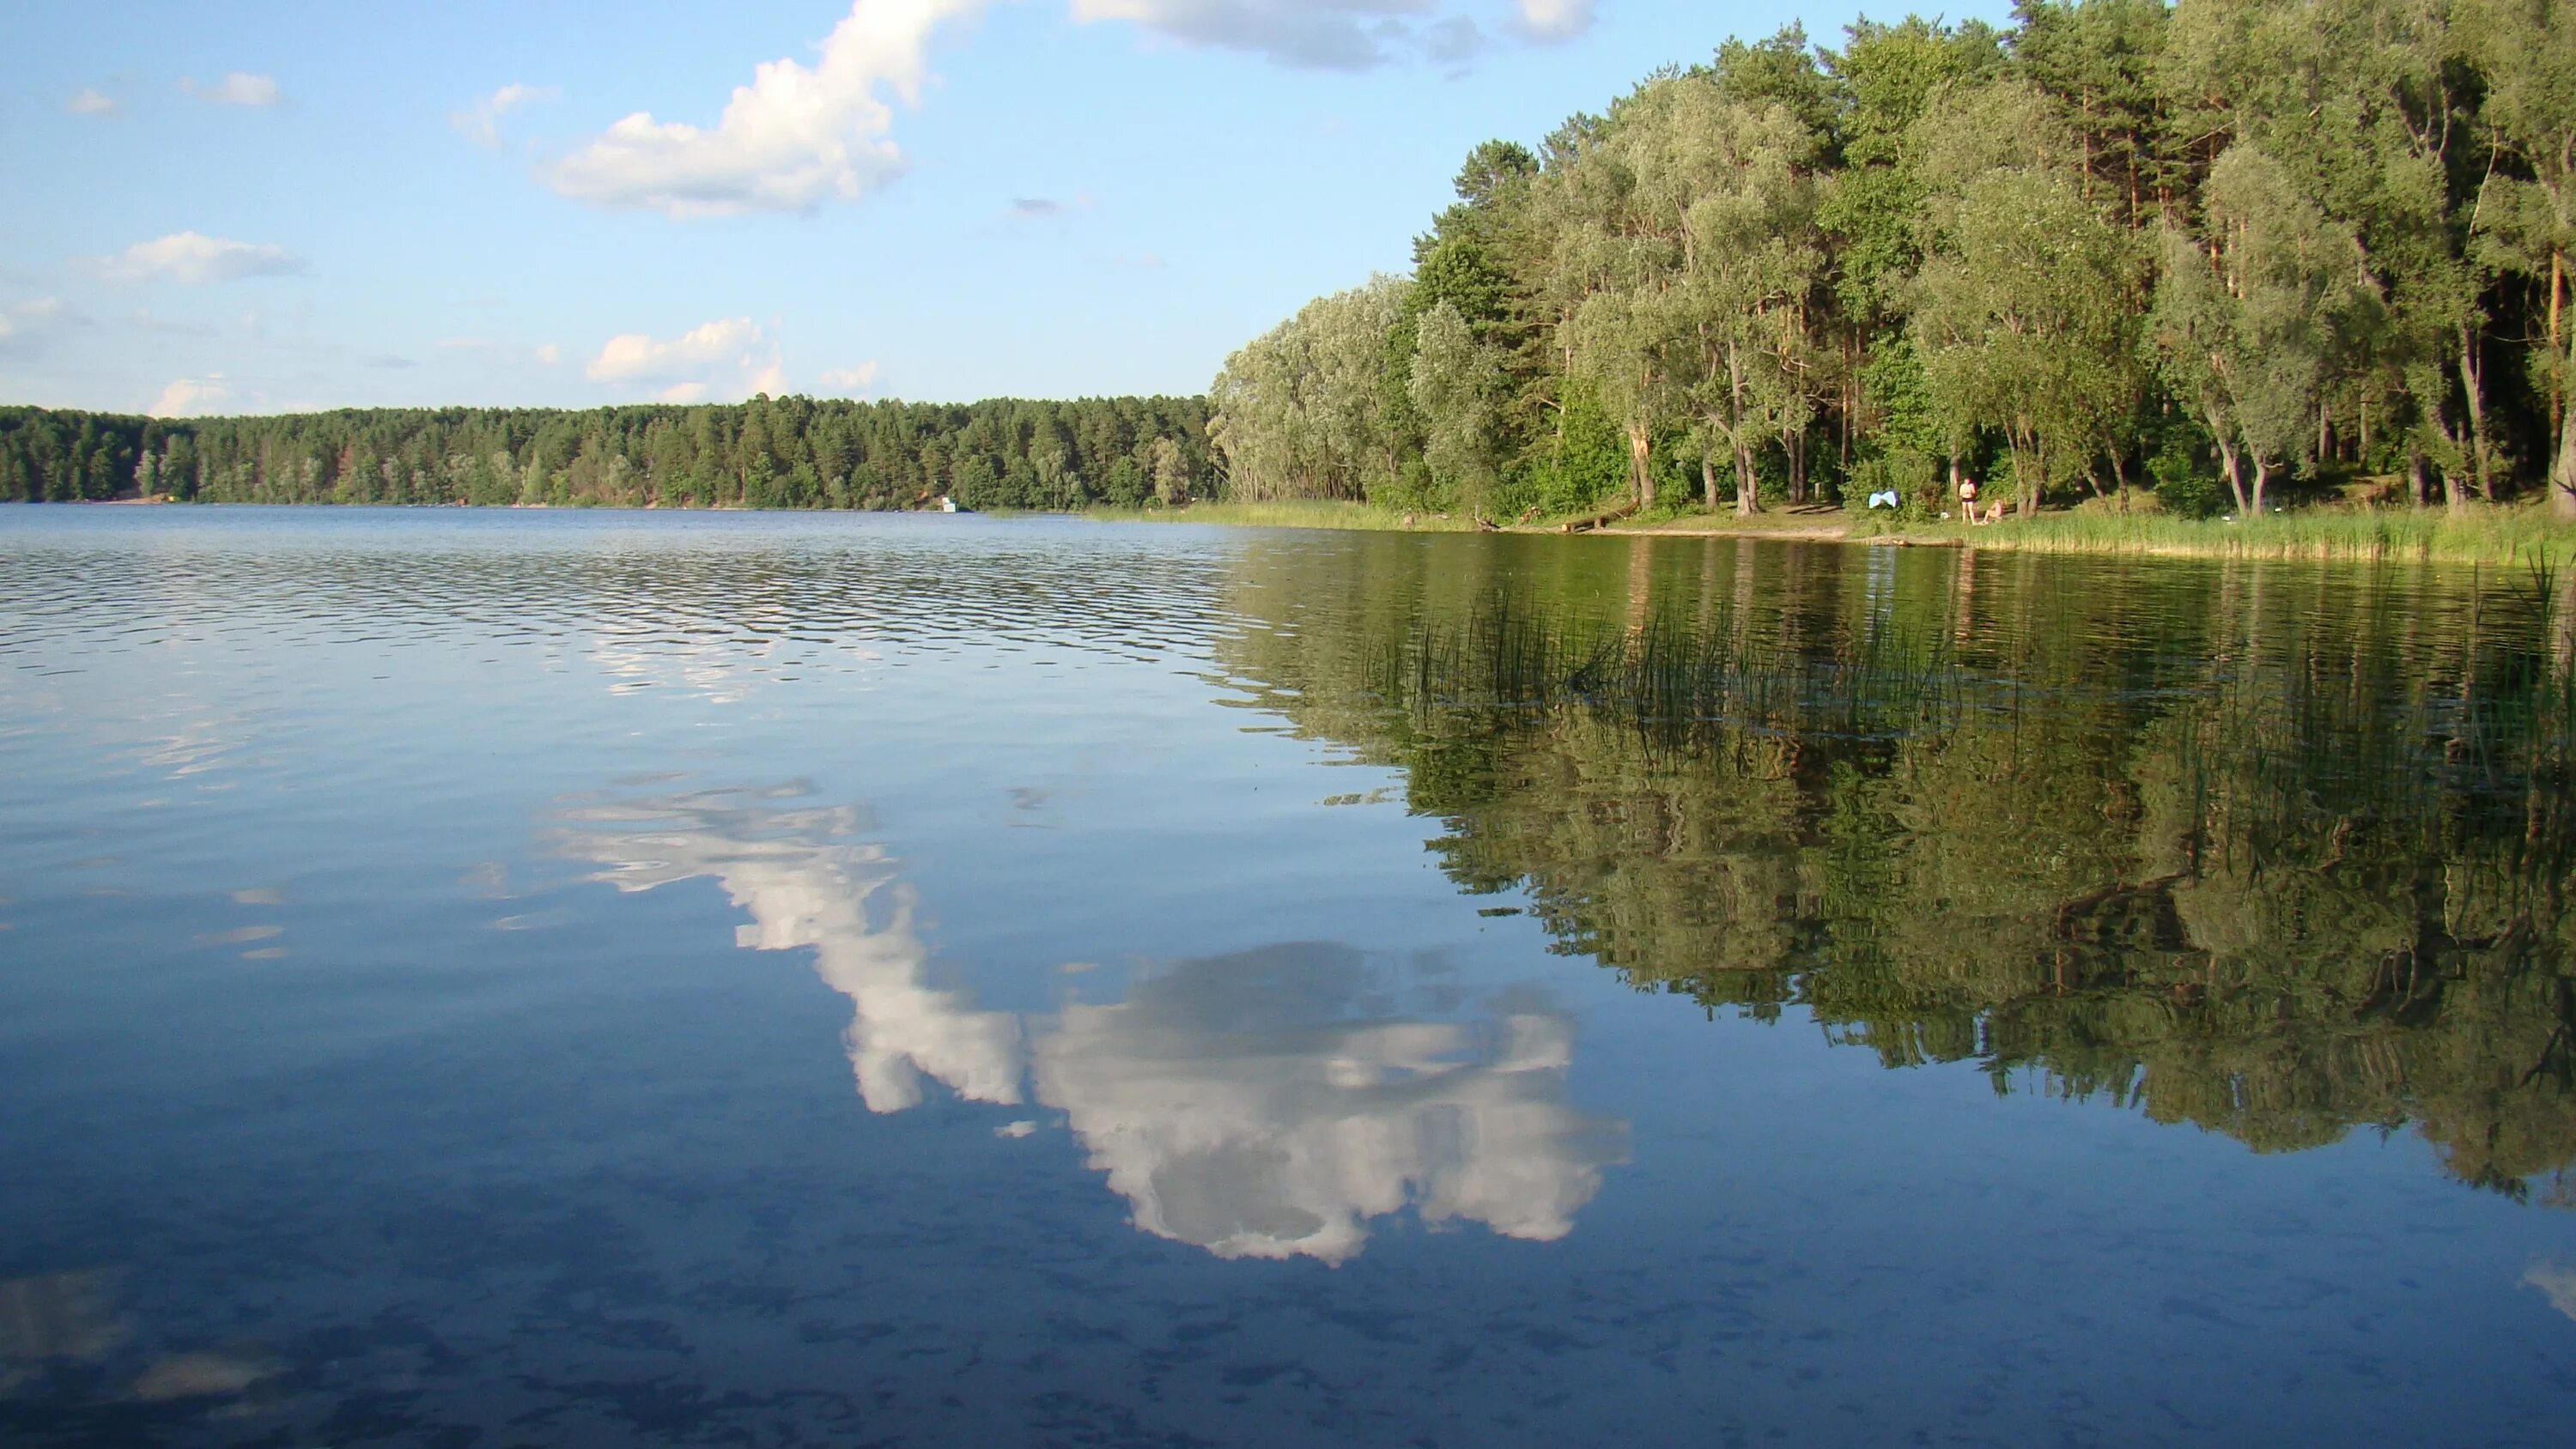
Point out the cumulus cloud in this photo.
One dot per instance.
(192, 396)
(192, 259)
(795, 137)
(851, 381)
(237, 88)
(480, 122)
(27, 328)
(733, 356)
(1555, 19)
(1340, 34)
(91, 102)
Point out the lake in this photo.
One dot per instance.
(571, 978)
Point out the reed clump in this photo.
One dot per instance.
(2514, 536)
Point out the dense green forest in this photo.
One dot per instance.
(2267, 848)
(789, 452)
(2219, 249)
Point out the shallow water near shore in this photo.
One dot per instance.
(578, 978)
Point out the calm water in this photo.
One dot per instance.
(530, 979)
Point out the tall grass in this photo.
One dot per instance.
(2483, 535)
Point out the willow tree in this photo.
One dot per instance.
(1703, 261)
(1457, 386)
(1299, 410)
(2024, 310)
(2251, 314)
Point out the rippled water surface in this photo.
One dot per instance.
(578, 978)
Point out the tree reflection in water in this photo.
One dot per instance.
(2278, 851)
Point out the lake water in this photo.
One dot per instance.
(571, 978)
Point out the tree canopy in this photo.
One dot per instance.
(789, 452)
(2274, 241)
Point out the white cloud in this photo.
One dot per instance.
(480, 122)
(237, 88)
(91, 102)
(1340, 34)
(192, 396)
(193, 259)
(1555, 19)
(851, 381)
(728, 358)
(27, 327)
(547, 354)
(792, 139)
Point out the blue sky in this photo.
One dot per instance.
(281, 206)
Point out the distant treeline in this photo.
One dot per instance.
(789, 452)
(2212, 247)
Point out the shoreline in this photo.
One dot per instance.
(2523, 536)
(2513, 536)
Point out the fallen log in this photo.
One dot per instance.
(1607, 515)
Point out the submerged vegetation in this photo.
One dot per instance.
(2223, 249)
(2274, 850)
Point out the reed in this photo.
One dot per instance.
(2511, 536)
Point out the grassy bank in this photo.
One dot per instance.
(2478, 535)
(2472, 535)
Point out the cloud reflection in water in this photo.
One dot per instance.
(1250, 1104)
(806, 884)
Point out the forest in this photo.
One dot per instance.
(2225, 253)
(2304, 871)
(789, 452)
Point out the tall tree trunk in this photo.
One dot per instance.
(1747, 486)
(1708, 482)
(2562, 474)
(2419, 489)
(2232, 461)
(2473, 387)
(2262, 475)
(2557, 285)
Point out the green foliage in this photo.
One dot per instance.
(2335, 233)
(768, 453)
(2186, 483)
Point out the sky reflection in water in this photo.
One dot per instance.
(1303, 988)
